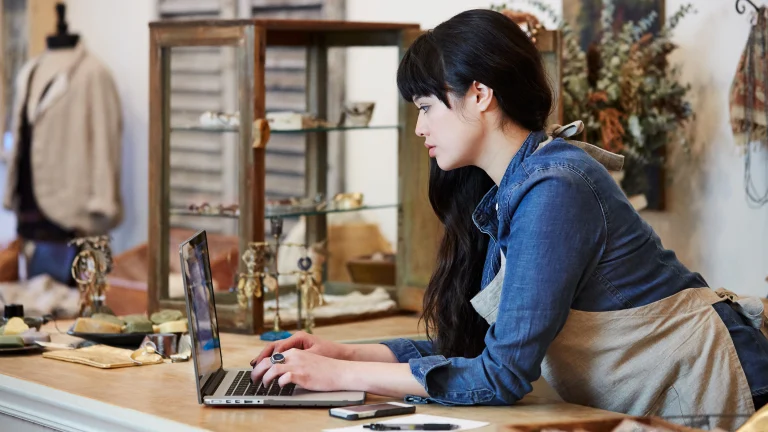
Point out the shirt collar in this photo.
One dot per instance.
(485, 215)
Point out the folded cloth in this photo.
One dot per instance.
(42, 295)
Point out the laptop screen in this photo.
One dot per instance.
(198, 288)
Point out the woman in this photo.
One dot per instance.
(544, 265)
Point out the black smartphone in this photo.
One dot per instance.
(358, 412)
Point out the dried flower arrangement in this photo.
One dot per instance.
(624, 89)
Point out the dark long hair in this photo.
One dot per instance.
(487, 47)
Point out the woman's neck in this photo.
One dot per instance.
(501, 146)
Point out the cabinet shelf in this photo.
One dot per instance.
(235, 129)
(285, 213)
(175, 134)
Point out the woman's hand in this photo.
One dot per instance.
(305, 369)
(307, 342)
(315, 372)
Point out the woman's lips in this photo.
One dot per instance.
(431, 149)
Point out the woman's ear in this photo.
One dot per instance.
(483, 95)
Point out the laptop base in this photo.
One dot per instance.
(299, 398)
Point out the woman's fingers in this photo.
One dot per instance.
(266, 352)
(274, 372)
(259, 370)
(285, 379)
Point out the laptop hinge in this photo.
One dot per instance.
(209, 388)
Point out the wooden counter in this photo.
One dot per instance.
(72, 397)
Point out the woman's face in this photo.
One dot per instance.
(453, 135)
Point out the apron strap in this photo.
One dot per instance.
(751, 308)
(611, 161)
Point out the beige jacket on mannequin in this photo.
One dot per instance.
(76, 146)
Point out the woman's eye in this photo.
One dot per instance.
(424, 108)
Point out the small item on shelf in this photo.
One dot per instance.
(205, 208)
(348, 201)
(293, 204)
(232, 209)
(213, 119)
(289, 120)
(357, 114)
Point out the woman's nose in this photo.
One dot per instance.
(421, 130)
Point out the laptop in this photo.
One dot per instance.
(216, 385)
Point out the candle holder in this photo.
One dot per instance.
(309, 288)
(277, 333)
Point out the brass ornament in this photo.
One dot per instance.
(250, 283)
(89, 269)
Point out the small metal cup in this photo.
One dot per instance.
(166, 343)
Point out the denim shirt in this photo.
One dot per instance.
(571, 240)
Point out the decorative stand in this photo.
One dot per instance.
(254, 282)
(259, 278)
(308, 291)
(90, 269)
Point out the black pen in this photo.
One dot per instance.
(425, 426)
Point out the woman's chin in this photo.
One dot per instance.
(447, 165)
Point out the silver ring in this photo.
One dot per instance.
(277, 358)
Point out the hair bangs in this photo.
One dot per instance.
(421, 73)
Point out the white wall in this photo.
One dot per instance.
(116, 31)
(708, 222)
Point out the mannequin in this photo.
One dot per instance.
(61, 51)
(64, 181)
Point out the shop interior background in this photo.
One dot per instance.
(707, 222)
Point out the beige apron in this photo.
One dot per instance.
(673, 357)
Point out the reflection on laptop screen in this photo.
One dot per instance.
(198, 285)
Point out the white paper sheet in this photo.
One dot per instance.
(415, 419)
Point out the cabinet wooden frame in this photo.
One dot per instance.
(249, 38)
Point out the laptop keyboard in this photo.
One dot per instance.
(242, 386)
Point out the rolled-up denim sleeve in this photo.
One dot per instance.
(555, 237)
(407, 349)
